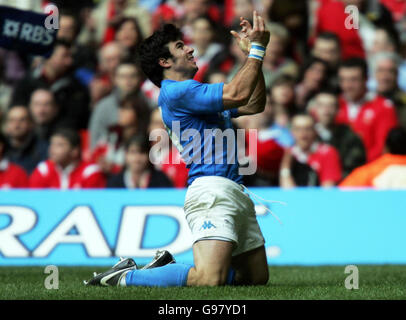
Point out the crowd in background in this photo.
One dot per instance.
(335, 83)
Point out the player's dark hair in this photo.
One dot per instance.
(356, 63)
(396, 141)
(155, 47)
(70, 135)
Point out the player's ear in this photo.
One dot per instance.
(164, 63)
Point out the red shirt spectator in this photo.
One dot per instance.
(64, 169)
(331, 17)
(323, 159)
(82, 175)
(175, 168)
(373, 120)
(12, 175)
(269, 152)
(308, 162)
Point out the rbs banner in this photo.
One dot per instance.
(95, 227)
(26, 31)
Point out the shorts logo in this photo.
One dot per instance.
(207, 225)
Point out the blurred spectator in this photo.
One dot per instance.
(369, 115)
(386, 172)
(386, 67)
(242, 8)
(313, 78)
(349, 145)
(383, 42)
(102, 83)
(13, 65)
(327, 47)
(138, 173)
(169, 11)
(276, 62)
(283, 99)
(192, 9)
(293, 15)
(55, 74)
(132, 120)
(45, 113)
(166, 158)
(84, 57)
(100, 26)
(127, 82)
(5, 89)
(269, 152)
(64, 168)
(331, 17)
(308, 162)
(207, 52)
(11, 175)
(25, 148)
(129, 34)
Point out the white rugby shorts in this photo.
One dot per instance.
(218, 208)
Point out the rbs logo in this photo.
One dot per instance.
(27, 32)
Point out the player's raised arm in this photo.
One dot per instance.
(237, 93)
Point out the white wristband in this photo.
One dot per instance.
(257, 51)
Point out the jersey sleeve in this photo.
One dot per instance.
(200, 98)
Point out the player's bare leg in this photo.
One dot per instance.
(251, 267)
(212, 259)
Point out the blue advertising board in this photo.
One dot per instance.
(94, 227)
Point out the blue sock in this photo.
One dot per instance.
(171, 275)
(230, 277)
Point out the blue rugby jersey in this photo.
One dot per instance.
(188, 109)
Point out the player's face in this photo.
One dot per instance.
(182, 58)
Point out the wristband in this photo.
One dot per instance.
(257, 51)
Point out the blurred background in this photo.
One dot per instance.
(335, 78)
(335, 112)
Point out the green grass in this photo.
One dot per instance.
(327, 282)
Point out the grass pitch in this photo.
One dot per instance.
(290, 282)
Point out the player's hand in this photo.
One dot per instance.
(242, 37)
(258, 33)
